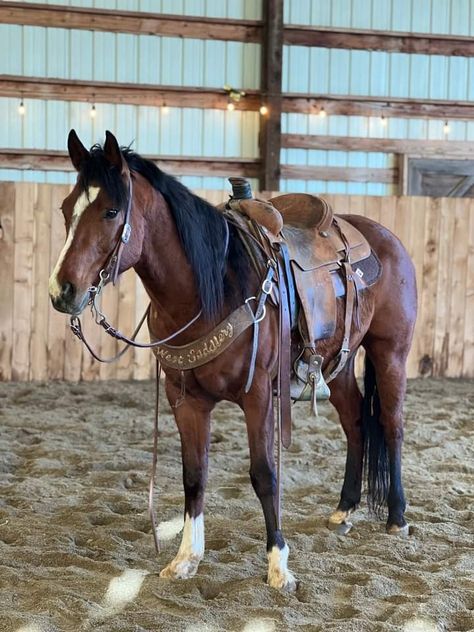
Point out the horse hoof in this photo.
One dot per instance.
(343, 528)
(338, 522)
(394, 529)
(181, 568)
(279, 576)
(282, 581)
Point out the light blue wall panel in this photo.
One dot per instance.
(238, 9)
(423, 16)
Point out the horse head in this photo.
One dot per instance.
(99, 219)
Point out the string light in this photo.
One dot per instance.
(263, 110)
(164, 108)
(21, 108)
(93, 112)
(383, 121)
(322, 113)
(231, 106)
(446, 128)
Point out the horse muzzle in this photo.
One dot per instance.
(68, 300)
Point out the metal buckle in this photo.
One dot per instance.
(260, 318)
(126, 232)
(267, 286)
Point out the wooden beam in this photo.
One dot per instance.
(339, 174)
(144, 23)
(130, 93)
(463, 149)
(355, 105)
(48, 160)
(389, 41)
(136, 22)
(212, 98)
(270, 123)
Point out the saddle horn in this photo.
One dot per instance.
(241, 189)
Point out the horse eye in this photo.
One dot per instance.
(110, 213)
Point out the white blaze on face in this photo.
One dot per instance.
(83, 201)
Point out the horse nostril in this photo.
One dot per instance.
(68, 291)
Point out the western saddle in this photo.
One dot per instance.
(324, 258)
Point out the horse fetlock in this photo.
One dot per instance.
(278, 574)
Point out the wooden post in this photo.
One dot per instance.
(270, 123)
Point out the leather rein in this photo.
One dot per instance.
(110, 272)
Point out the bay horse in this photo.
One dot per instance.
(195, 270)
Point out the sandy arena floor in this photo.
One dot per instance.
(76, 551)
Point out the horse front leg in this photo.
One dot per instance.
(258, 409)
(193, 420)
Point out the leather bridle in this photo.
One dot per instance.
(110, 272)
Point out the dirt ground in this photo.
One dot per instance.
(76, 552)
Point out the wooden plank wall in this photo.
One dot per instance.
(35, 343)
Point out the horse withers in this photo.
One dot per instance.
(198, 275)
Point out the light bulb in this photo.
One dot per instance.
(165, 109)
(383, 121)
(231, 106)
(446, 128)
(263, 110)
(93, 112)
(322, 113)
(21, 108)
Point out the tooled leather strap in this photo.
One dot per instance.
(333, 370)
(209, 346)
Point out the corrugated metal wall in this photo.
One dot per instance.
(98, 56)
(344, 72)
(151, 59)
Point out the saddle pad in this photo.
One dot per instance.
(367, 273)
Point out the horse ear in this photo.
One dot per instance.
(77, 152)
(112, 152)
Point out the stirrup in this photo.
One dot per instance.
(308, 384)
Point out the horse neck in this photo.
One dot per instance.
(163, 266)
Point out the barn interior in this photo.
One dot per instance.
(369, 104)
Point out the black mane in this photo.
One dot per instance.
(201, 228)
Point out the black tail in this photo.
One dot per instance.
(375, 449)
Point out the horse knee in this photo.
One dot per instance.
(263, 479)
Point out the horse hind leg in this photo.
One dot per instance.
(385, 386)
(347, 399)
